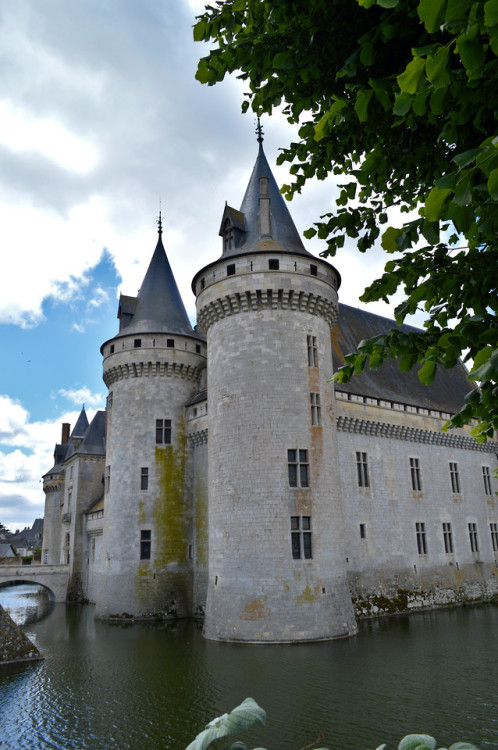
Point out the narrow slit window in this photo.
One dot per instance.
(144, 478)
(415, 475)
(474, 543)
(486, 475)
(312, 351)
(454, 477)
(145, 544)
(316, 409)
(493, 527)
(362, 469)
(421, 538)
(447, 538)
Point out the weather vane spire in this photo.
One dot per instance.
(160, 221)
(259, 131)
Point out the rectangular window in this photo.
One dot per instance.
(144, 478)
(313, 269)
(486, 475)
(203, 282)
(363, 531)
(474, 545)
(455, 478)
(137, 343)
(231, 269)
(421, 538)
(415, 474)
(197, 348)
(447, 538)
(111, 349)
(493, 527)
(298, 468)
(273, 264)
(301, 542)
(163, 431)
(145, 544)
(170, 343)
(312, 351)
(362, 469)
(316, 409)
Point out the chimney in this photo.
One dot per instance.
(66, 427)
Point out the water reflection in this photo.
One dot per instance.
(115, 686)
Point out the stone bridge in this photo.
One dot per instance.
(55, 578)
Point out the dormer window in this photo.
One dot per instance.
(228, 236)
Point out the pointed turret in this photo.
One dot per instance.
(263, 222)
(158, 308)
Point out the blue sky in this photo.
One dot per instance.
(101, 121)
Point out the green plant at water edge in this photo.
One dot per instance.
(248, 714)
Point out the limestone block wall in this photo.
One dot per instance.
(412, 547)
(53, 487)
(197, 430)
(260, 380)
(145, 565)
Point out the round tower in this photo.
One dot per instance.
(276, 557)
(152, 368)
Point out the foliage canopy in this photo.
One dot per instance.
(400, 97)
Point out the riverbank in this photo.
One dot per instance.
(15, 645)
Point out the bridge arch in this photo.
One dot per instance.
(54, 578)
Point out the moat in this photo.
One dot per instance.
(150, 686)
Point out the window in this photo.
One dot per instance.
(145, 544)
(447, 538)
(109, 401)
(301, 537)
(45, 556)
(363, 531)
(170, 343)
(231, 269)
(163, 431)
(421, 538)
(228, 236)
(474, 545)
(415, 474)
(316, 409)
(273, 264)
(455, 478)
(486, 475)
(144, 478)
(313, 269)
(137, 343)
(298, 468)
(362, 469)
(493, 527)
(203, 282)
(312, 351)
(107, 478)
(197, 348)
(111, 349)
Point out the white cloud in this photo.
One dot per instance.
(84, 396)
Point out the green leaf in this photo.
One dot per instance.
(239, 5)
(456, 10)
(491, 13)
(241, 718)
(493, 184)
(388, 241)
(463, 745)
(431, 13)
(387, 3)
(410, 80)
(467, 157)
(282, 60)
(361, 105)
(402, 104)
(430, 230)
(436, 68)
(417, 742)
(434, 203)
(320, 127)
(471, 51)
(426, 375)
(200, 30)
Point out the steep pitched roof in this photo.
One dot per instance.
(94, 440)
(445, 394)
(283, 235)
(159, 307)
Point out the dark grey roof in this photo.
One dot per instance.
(159, 307)
(388, 383)
(81, 425)
(284, 235)
(94, 440)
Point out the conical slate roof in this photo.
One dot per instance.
(159, 307)
(81, 425)
(283, 235)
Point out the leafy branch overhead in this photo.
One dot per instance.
(400, 97)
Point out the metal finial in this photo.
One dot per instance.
(259, 131)
(160, 224)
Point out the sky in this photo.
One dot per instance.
(102, 123)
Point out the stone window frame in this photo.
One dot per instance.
(362, 473)
(144, 478)
(454, 477)
(301, 538)
(486, 476)
(448, 538)
(163, 431)
(312, 346)
(493, 528)
(473, 536)
(298, 467)
(145, 544)
(415, 474)
(421, 535)
(316, 409)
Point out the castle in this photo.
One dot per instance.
(229, 479)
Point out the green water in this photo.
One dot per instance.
(149, 686)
